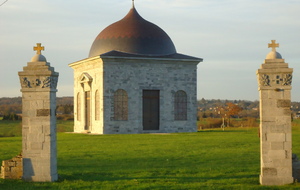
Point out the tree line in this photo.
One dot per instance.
(11, 108)
(234, 108)
(227, 108)
(213, 108)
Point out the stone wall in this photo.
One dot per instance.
(88, 76)
(12, 169)
(102, 77)
(136, 75)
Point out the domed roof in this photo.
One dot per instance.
(273, 55)
(133, 35)
(38, 58)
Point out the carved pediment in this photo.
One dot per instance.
(85, 78)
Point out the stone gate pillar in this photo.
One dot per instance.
(38, 81)
(274, 80)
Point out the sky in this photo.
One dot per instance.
(231, 36)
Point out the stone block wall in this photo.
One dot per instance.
(88, 76)
(12, 169)
(103, 76)
(134, 76)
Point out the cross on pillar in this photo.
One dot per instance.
(38, 48)
(273, 45)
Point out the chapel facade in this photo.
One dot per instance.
(134, 81)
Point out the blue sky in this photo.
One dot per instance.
(231, 36)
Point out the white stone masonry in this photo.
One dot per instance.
(274, 81)
(38, 81)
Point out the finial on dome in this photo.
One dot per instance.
(273, 45)
(38, 48)
(38, 56)
(132, 3)
(273, 54)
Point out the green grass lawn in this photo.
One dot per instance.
(14, 128)
(210, 159)
(10, 128)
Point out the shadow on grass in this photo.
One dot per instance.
(102, 176)
(221, 131)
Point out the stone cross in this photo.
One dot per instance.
(273, 45)
(38, 48)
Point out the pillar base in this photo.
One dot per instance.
(275, 180)
(41, 178)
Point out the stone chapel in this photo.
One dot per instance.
(134, 81)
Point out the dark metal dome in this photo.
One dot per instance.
(133, 35)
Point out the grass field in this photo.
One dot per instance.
(209, 159)
(14, 128)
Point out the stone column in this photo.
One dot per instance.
(38, 81)
(274, 80)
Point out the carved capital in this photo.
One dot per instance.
(38, 82)
(275, 80)
(264, 80)
(287, 80)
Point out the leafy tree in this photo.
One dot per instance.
(232, 109)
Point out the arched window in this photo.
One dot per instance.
(120, 105)
(180, 105)
(97, 105)
(78, 107)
